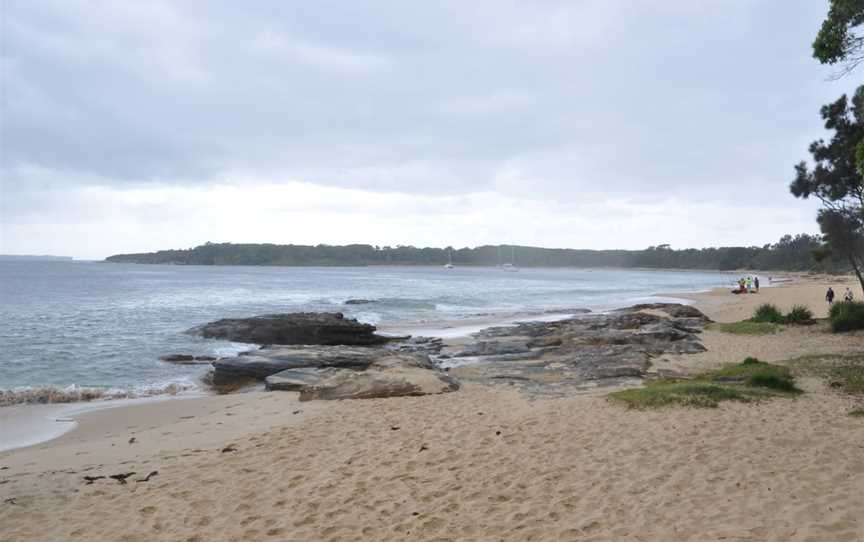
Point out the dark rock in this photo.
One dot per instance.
(662, 331)
(186, 359)
(567, 311)
(293, 328)
(493, 348)
(543, 342)
(675, 310)
(177, 358)
(424, 345)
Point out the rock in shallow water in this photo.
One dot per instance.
(326, 328)
(187, 359)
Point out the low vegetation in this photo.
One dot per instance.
(846, 316)
(767, 313)
(767, 319)
(844, 373)
(799, 315)
(748, 381)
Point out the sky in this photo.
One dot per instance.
(139, 126)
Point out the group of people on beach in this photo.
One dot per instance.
(747, 285)
(847, 295)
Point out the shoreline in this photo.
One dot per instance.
(38, 423)
(31, 428)
(483, 462)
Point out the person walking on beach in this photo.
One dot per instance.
(848, 297)
(756, 283)
(829, 296)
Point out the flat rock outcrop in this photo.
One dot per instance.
(591, 348)
(389, 374)
(326, 328)
(337, 372)
(267, 361)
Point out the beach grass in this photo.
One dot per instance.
(744, 382)
(757, 374)
(746, 327)
(843, 372)
(767, 319)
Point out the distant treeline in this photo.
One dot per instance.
(789, 254)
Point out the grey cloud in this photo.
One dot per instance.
(532, 98)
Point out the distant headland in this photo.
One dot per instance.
(789, 254)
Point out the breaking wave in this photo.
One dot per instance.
(43, 395)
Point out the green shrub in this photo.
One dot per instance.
(799, 315)
(767, 313)
(771, 381)
(846, 316)
(857, 412)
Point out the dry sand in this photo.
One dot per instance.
(722, 306)
(479, 464)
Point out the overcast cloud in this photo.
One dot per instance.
(135, 126)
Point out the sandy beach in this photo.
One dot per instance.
(483, 463)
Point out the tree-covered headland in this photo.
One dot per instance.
(789, 253)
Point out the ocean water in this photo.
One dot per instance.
(104, 326)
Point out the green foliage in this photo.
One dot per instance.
(837, 181)
(789, 253)
(846, 316)
(837, 40)
(859, 157)
(800, 315)
(857, 412)
(684, 393)
(767, 313)
(756, 374)
(746, 328)
(747, 381)
(773, 382)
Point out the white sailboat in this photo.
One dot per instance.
(511, 267)
(449, 264)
